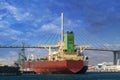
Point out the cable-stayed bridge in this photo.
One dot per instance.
(82, 36)
(116, 52)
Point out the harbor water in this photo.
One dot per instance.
(86, 76)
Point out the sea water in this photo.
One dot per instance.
(86, 76)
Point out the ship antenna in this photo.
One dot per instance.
(62, 27)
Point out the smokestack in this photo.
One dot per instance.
(62, 27)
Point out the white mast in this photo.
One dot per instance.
(62, 27)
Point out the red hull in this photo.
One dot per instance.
(57, 67)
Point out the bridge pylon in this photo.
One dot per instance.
(116, 57)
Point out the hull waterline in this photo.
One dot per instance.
(55, 67)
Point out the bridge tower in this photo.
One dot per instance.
(116, 57)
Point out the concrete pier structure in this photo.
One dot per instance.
(116, 57)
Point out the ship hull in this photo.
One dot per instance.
(9, 70)
(83, 70)
(55, 67)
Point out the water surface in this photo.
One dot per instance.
(86, 76)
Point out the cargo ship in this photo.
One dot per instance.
(63, 58)
(9, 70)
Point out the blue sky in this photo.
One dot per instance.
(94, 22)
(29, 20)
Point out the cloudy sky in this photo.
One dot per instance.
(34, 22)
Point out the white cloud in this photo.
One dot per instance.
(29, 34)
(72, 23)
(15, 12)
(10, 33)
(11, 13)
(44, 18)
(55, 25)
(19, 14)
(49, 27)
(4, 24)
(2, 15)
